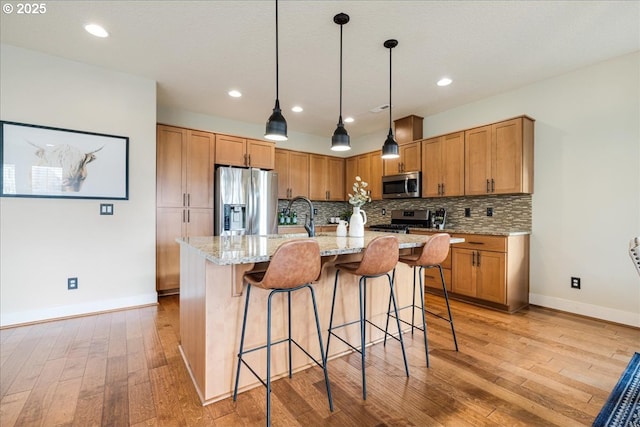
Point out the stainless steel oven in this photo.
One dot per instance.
(401, 186)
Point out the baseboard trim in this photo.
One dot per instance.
(588, 310)
(10, 320)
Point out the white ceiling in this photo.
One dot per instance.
(198, 50)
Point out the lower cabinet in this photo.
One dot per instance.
(173, 223)
(487, 270)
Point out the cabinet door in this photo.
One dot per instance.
(410, 156)
(170, 166)
(392, 166)
(200, 169)
(477, 160)
(375, 175)
(431, 162)
(463, 272)
(260, 154)
(318, 171)
(506, 162)
(350, 172)
(230, 150)
(491, 276)
(452, 168)
(299, 174)
(282, 167)
(336, 178)
(199, 222)
(169, 227)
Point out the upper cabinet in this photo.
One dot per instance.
(409, 160)
(499, 158)
(235, 151)
(326, 178)
(184, 167)
(408, 133)
(367, 166)
(443, 166)
(293, 173)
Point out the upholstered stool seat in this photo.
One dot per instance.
(431, 255)
(378, 259)
(293, 266)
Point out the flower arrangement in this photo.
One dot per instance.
(360, 194)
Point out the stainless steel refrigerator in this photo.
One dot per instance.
(246, 201)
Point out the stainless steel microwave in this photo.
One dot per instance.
(401, 186)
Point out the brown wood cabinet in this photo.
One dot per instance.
(443, 166)
(499, 158)
(184, 196)
(236, 151)
(369, 167)
(431, 277)
(326, 177)
(409, 160)
(293, 173)
(492, 270)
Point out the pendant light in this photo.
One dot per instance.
(340, 139)
(390, 146)
(276, 129)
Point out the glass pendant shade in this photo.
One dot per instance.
(276, 129)
(340, 140)
(390, 149)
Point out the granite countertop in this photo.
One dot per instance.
(483, 232)
(228, 250)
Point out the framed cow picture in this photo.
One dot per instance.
(41, 161)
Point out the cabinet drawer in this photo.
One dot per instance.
(482, 242)
(432, 278)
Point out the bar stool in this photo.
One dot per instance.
(433, 253)
(293, 266)
(379, 258)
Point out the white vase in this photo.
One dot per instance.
(357, 222)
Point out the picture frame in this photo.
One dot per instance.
(43, 161)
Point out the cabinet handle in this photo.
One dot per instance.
(478, 262)
(493, 186)
(249, 160)
(443, 188)
(473, 258)
(475, 243)
(188, 199)
(188, 216)
(183, 216)
(184, 195)
(488, 188)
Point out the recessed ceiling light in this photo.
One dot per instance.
(445, 81)
(349, 120)
(235, 93)
(96, 30)
(297, 109)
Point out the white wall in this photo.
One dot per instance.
(586, 204)
(45, 241)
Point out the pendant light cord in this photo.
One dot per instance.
(277, 67)
(390, 49)
(340, 120)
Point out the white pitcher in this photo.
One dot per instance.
(358, 220)
(341, 231)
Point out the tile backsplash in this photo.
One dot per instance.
(510, 212)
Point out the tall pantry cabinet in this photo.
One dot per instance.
(184, 196)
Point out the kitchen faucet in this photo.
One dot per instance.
(311, 229)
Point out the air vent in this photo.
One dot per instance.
(380, 108)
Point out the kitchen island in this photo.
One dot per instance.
(211, 270)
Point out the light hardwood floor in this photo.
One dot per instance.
(536, 367)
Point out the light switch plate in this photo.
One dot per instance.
(106, 208)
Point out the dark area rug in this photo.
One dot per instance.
(623, 405)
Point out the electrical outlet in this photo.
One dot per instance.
(489, 211)
(384, 211)
(575, 282)
(467, 212)
(315, 211)
(106, 208)
(72, 283)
